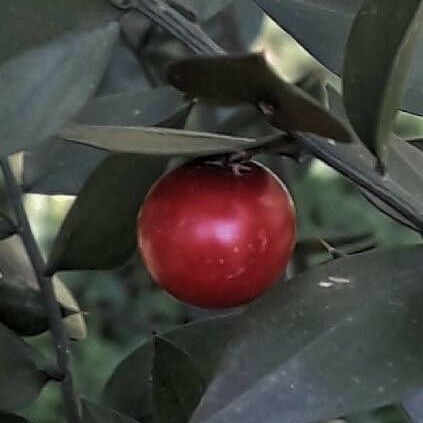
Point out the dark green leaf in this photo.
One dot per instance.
(251, 80)
(11, 418)
(398, 194)
(18, 18)
(56, 167)
(342, 337)
(133, 108)
(43, 88)
(92, 413)
(382, 39)
(99, 231)
(177, 383)
(202, 341)
(388, 414)
(155, 141)
(330, 21)
(21, 306)
(20, 376)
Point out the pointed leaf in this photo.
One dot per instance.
(203, 342)
(342, 337)
(398, 193)
(177, 383)
(331, 21)
(20, 376)
(382, 39)
(388, 414)
(56, 167)
(104, 237)
(18, 18)
(21, 306)
(156, 141)
(40, 94)
(92, 413)
(249, 78)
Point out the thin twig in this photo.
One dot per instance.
(61, 341)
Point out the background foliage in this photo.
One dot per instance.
(82, 67)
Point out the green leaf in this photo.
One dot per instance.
(18, 18)
(20, 376)
(21, 306)
(177, 383)
(144, 108)
(11, 418)
(92, 413)
(388, 414)
(155, 141)
(377, 60)
(331, 21)
(249, 78)
(202, 343)
(104, 237)
(399, 193)
(341, 337)
(43, 88)
(56, 167)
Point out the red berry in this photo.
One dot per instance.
(213, 238)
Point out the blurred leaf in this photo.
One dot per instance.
(20, 377)
(40, 93)
(331, 21)
(92, 413)
(249, 78)
(342, 337)
(156, 141)
(74, 322)
(177, 383)
(388, 414)
(99, 231)
(21, 306)
(202, 341)
(18, 18)
(382, 39)
(11, 418)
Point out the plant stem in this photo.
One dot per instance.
(60, 339)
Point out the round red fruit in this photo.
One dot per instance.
(215, 238)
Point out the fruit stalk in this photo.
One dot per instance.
(60, 339)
